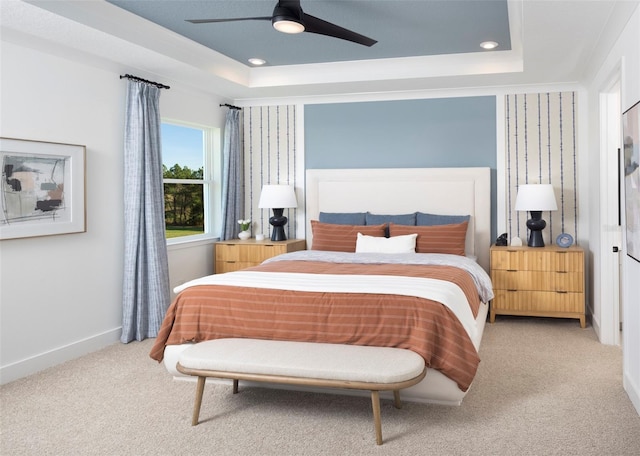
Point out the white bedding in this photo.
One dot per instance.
(480, 276)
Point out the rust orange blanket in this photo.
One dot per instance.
(427, 327)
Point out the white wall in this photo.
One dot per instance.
(623, 62)
(60, 296)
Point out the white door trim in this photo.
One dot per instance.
(610, 231)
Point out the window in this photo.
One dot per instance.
(187, 158)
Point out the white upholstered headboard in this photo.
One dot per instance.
(446, 191)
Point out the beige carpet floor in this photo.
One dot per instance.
(544, 387)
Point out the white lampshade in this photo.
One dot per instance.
(277, 196)
(536, 197)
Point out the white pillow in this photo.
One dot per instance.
(396, 244)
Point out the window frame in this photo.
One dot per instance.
(211, 182)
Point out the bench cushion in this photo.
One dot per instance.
(305, 359)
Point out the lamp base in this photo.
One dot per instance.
(278, 221)
(536, 225)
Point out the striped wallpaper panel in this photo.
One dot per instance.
(270, 145)
(541, 135)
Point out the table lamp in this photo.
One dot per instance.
(536, 198)
(277, 197)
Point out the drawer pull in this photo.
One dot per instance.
(562, 292)
(512, 270)
(512, 290)
(562, 272)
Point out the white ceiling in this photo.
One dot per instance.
(552, 42)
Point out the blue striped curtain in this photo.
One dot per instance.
(232, 177)
(146, 269)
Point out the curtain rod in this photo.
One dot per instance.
(230, 106)
(136, 78)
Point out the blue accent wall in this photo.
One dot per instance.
(428, 133)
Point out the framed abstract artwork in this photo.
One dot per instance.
(631, 174)
(42, 190)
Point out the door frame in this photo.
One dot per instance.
(610, 230)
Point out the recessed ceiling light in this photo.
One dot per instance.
(256, 61)
(488, 45)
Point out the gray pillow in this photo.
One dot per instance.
(424, 219)
(398, 219)
(343, 218)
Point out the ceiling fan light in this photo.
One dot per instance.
(287, 25)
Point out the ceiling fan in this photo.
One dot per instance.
(288, 17)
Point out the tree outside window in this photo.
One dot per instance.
(186, 180)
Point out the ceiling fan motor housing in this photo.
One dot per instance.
(287, 17)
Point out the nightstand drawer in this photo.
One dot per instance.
(230, 266)
(521, 260)
(235, 254)
(537, 280)
(227, 252)
(248, 253)
(269, 250)
(532, 302)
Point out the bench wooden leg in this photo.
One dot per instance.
(396, 399)
(235, 386)
(198, 403)
(375, 402)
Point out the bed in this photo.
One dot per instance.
(365, 293)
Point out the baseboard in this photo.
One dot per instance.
(595, 324)
(57, 356)
(632, 390)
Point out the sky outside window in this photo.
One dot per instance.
(182, 145)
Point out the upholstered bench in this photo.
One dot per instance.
(304, 363)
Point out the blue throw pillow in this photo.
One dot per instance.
(343, 218)
(398, 219)
(424, 219)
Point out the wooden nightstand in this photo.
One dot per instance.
(236, 254)
(538, 281)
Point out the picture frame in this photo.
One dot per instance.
(631, 176)
(42, 191)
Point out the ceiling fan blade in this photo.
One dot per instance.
(233, 19)
(316, 25)
(290, 10)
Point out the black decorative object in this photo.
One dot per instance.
(278, 221)
(502, 240)
(536, 225)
